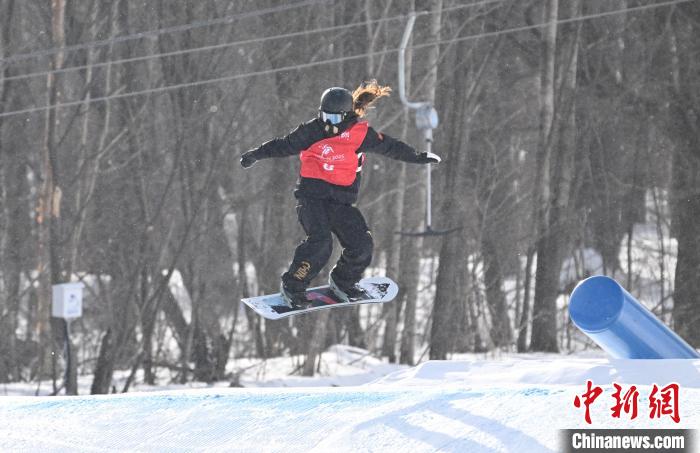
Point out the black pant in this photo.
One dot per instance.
(320, 218)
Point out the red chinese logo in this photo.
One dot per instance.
(667, 404)
(591, 394)
(662, 401)
(625, 403)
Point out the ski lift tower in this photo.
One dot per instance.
(426, 121)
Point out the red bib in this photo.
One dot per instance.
(335, 159)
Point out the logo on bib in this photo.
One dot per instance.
(328, 154)
(335, 159)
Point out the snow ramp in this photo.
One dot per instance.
(515, 405)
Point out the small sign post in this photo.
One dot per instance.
(67, 303)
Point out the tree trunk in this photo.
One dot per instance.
(410, 269)
(316, 343)
(544, 327)
(116, 292)
(501, 333)
(102, 379)
(408, 280)
(13, 228)
(444, 326)
(391, 312)
(49, 330)
(550, 249)
(684, 130)
(242, 258)
(452, 255)
(524, 322)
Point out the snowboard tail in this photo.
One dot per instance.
(378, 290)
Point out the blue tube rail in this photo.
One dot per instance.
(620, 325)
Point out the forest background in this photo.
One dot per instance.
(570, 138)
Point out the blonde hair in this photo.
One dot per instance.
(366, 94)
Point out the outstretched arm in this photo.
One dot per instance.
(392, 148)
(298, 140)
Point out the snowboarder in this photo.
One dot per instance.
(332, 149)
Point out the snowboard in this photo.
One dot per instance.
(378, 291)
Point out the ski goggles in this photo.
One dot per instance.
(332, 118)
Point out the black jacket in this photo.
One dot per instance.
(315, 130)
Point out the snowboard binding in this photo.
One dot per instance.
(295, 300)
(350, 294)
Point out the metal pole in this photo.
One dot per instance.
(66, 338)
(426, 121)
(402, 64)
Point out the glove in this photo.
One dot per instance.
(428, 158)
(247, 159)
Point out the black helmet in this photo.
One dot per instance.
(336, 100)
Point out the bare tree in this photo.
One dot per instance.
(684, 111)
(137, 182)
(558, 128)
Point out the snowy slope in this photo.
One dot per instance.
(509, 404)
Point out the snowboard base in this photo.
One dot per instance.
(379, 290)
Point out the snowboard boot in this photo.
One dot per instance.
(294, 297)
(345, 292)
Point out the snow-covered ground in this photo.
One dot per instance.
(472, 404)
